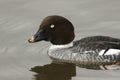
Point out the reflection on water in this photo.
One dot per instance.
(95, 67)
(58, 71)
(54, 71)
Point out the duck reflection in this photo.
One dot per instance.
(54, 71)
(93, 67)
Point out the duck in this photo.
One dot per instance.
(91, 50)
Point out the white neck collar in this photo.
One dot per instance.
(61, 46)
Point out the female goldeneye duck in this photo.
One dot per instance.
(98, 50)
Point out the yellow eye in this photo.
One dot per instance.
(52, 26)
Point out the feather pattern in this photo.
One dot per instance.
(87, 51)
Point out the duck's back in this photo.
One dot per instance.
(97, 39)
(98, 42)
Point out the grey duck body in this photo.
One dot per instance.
(86, 51)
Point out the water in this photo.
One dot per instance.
(19, 19)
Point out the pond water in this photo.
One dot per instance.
(19, 19)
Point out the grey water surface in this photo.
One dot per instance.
(20, 19)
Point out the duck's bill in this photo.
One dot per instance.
(39, 36)
(31, 40)
(34, 39)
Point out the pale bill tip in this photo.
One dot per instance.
(31, 39)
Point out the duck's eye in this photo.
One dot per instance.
(52, 26)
